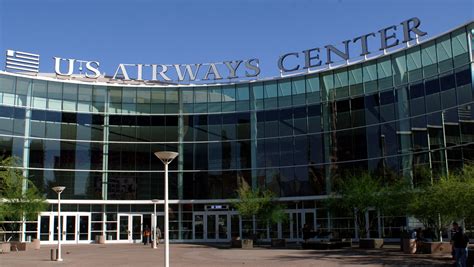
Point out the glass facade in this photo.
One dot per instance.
(395, 115)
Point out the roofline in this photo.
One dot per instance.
(330, 67)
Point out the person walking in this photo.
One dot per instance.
(460, 241)
(146, 235)
(306, 232)
(158, 234)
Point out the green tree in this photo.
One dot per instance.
(258, 203)
(356, 195)
(359, 193)
(450, 198)
(18, 205)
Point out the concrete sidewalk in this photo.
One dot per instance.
(216, 255)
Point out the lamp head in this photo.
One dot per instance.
(59, 189)
(166, 156)
(155, 200)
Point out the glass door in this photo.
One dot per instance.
(223, 227)
(198, 226)
(130, 228)
(83, 228)
(69, 232)
(44, 228)
(291, 228)
(68, 228)
(136, 224)
(124, 231)
(212, 226)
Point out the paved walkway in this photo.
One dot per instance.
(204, 255)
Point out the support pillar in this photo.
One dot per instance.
(26, 152)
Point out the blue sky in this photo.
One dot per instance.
(168, 32)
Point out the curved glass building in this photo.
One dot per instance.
(397, 114)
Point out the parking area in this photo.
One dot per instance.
(218, 255)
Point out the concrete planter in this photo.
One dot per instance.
(435, 248)
(236, 243)
(18, 246)
(369, 243)
(278, 243)
(241, 243)
(247, 243)
(100, 239)
(5, 247)
(409, 246)
(34, 244)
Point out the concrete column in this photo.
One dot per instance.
(253, 137)
(105, 157)
(180, 147)
(105, 148)
(26, 150)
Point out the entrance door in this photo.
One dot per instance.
(75, 228)
(44, 228)
(83, 228)
(198, 225)
(291, 228)
(211, 226)
(223, 232)
(130, 228)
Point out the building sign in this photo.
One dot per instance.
(217, 207)
(311, 58)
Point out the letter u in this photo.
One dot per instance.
(57, 66)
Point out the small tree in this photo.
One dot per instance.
(357, 194)
(18, 206)
(362, 192)
(258, 203)
(450, 198)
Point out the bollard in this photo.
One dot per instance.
(52, 255)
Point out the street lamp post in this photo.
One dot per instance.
(59, 190)
(154, 223)
(166, 157)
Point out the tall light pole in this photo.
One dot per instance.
(166, 157)
(59, 190)
(155, 236)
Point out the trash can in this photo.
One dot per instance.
(100, 239)
(53, 254)
(409, 246)
(470, 256)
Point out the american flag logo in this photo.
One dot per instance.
(25, 62)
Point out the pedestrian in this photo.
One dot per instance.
(459, 243)
(306, 232)
(146, 235)
(413, 234)
(158, 234)
(418, 239)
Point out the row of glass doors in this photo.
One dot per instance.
(75, 228)
(208, 226)
(212, 226)
(221, 226)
